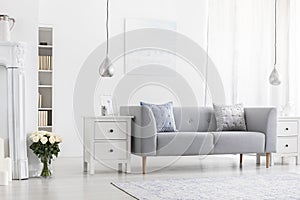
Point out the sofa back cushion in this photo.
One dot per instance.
(194, 119)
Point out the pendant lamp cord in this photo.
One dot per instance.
(275, 34)
(107, 8)
(206, 64)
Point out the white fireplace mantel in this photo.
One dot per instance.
(12, 57)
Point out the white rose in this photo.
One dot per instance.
(35, 139)
(57, 139)
(42, 133)
(48, 134)
(52, 140)
(44, 140)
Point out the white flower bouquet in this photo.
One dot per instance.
(45, 145)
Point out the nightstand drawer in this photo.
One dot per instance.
(287, 145)
(111, 150)
(287, 128)
(110, 130)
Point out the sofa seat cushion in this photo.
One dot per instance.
(234, 142)
(184, 143)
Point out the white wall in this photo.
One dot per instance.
(77, 32)
(26, 16)
(79, 27)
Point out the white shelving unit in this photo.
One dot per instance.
(45, 78)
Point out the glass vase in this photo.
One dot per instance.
(46, 172)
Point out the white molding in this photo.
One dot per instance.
(12, 56)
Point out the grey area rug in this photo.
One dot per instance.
(278, 186)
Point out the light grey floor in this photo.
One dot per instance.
(70, 183)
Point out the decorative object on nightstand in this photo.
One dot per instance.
(103, 111)
(107, 139)
(288, 109)
(44, 146)
(288, 142)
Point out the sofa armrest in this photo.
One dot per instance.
(143, 132)
(263, 120)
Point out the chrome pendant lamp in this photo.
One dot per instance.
(106, 69)
(274, 77)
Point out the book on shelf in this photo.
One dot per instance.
(43, 118)
(45, 62)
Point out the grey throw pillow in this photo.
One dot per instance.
(164, 116)
(230, 118)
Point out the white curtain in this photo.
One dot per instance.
(241, 43)
(294, 54)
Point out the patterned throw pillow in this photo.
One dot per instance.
(163, 115)
(230, 118)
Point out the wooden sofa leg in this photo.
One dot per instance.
(144, 164)
(241, 159)
(268, 157)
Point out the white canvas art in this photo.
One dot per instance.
(148, 55)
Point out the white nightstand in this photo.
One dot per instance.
(107, 139)
(288, 137)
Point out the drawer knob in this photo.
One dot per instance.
(286, 129)
(111, 130)
(111, 150)
(286, 145)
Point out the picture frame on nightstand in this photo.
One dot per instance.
(106, 105)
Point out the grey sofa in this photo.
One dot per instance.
(196, 133)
